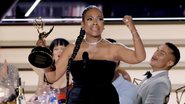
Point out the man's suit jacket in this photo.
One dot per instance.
(155, 90)
(126, 90)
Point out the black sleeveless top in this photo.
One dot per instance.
(92, 82)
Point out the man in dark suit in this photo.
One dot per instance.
(157, 88)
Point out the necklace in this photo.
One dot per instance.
(93, 43)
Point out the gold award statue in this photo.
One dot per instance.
(41, 56)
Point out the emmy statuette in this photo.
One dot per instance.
(41, 56)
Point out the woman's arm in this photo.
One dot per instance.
(61, 65)
(136, 55)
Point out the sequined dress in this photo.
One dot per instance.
(92, 82)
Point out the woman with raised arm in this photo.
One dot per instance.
(93, 60)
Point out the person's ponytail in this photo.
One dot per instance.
(75, 51)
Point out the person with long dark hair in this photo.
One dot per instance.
(92, 61)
